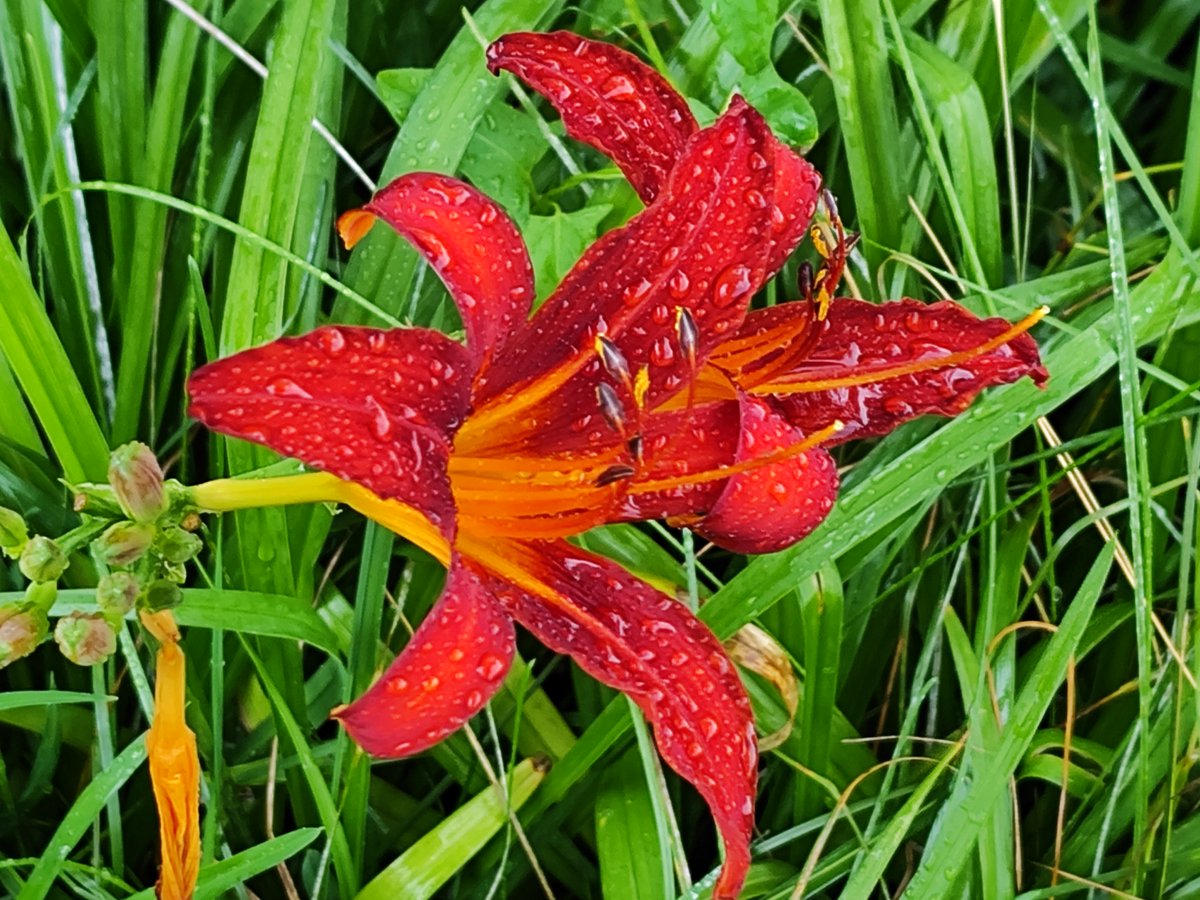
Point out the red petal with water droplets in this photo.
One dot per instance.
(700, 246)
(858, 336)
(612, 100)
(454, 663)
(607, 97)
(473, 246)
(770, 507)
(679, 443)
(797, 187)
(376, 407)
(648, 645)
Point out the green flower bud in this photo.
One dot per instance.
(85, 638)
(124, 543)
(13, 533)
(42, 559)
(177, 545)
(162, 594)
(137, 479)
(22, 627)
(117, 593)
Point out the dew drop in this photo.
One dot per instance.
(663, 352)
(731, 285)
(397, 686)
(633, 294)
(285, 387)
(431, 683)
(679, 283)
(331, 340)
(491, 666)
(618, 87)
(755, 199)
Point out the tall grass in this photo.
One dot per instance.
(993, 633)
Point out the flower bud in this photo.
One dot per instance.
(85, 638)
(137, 479)
(42, 559)
(124, 543)
(177, 545)
(22, 627)
(13, 533)
(117, 593)
(162, 594)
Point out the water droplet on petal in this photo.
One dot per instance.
(731, 285)
(618, 87)
(491, 666)
(633, 294)
(679, 284)
(285, 387)
(331, 340)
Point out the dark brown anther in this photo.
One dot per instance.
(634, 444)
(804, 280)
(614, 474)
(613, 359)
(689, 334)
(830, 203)
(852, 240)
(610, 407)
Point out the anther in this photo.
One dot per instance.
(688, 332)
(830, 202)
(612, 358)
(804, 280)
(634, 445)
(610, 407)
(613, 474)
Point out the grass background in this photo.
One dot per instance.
(996, 698)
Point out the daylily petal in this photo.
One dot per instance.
(640, 641)
(858, 339)
(607, 97)
(470, 242)
(699, 248)
(770, 507)
(376, 407)
(175, 778)
(454, 663)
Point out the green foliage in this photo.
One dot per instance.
(987, 706)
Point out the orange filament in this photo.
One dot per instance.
(747, 465)
(737, 354)
(883, 373)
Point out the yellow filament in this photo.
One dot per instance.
(722, 472)
(871, 376)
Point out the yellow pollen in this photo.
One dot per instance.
(641, 385)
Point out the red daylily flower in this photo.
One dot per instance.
(642, 388)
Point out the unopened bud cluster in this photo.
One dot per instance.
(141, 534)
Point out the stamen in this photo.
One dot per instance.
(804, 281)
(634, 445)
(353, 226)
(612, 357)
(611, 407)
(722, 472)
(688, 333)
(871, 376)
(614, 474)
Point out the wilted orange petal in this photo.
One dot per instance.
(175, 776)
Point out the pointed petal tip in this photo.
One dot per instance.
(353, 226)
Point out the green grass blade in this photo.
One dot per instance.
(959, 827)
(435, 858)
(43, 370)
(627, 834)
(83, 812)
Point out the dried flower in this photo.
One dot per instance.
(86, 639)
(117, 593)
(13, 532)
(42, 559)
(124, 543)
